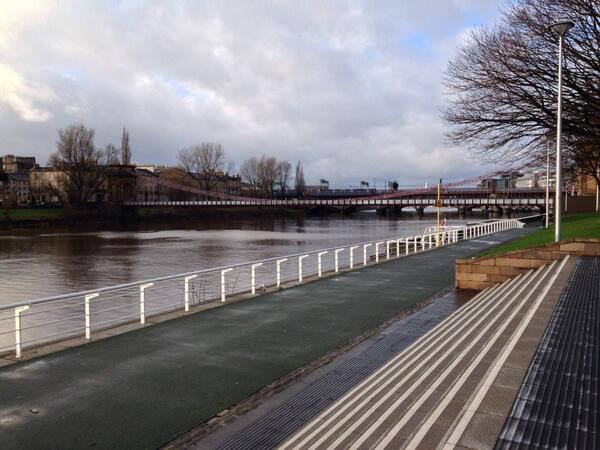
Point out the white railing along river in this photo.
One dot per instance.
(36, 322)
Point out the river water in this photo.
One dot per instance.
(43, 262)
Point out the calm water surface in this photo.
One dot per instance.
(44, 262)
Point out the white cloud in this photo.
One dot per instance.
(353, 88)
(24, 97)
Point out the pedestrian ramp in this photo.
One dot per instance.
(453, 387)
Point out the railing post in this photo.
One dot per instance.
(142, 302)
(430, 240)
(186, 292)
(319, 266)
(279, 261)
(422, 242)
(223, 290)
(336, 253)
(398, 248)
(18, 312)
(365, 253)
(387, 249)
(377, 244)
(352, 255)
(87, 298)
(253, 277)
(300, 258)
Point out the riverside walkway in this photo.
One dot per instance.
(145, 388)
(516, 367)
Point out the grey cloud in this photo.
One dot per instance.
(344, 86)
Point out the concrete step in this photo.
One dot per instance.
(415, 399)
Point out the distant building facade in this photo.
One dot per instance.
(14, 188)
(47, 185)
(16, 164)
(586, 185)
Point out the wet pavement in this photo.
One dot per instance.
(147, 387)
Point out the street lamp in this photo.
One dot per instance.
(561, 28)
(547, 184)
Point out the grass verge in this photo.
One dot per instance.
(32, 213)
(576, 226)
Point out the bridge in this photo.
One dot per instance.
(461, 198)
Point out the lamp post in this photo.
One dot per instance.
(561, 28)
(547, 184)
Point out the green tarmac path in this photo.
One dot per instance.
(145, 388)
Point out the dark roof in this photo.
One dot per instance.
(18, 177)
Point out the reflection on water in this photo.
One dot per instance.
(40, 263)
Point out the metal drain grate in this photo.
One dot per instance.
(557, 404)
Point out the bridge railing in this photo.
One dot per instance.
(82, 315)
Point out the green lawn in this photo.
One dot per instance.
(580, 226)
(32, 213)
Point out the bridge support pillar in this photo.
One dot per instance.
(506, 210)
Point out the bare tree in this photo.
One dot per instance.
(300, 184)
(267, 172)
(204, 163)
(125, 148)
(502, 85)
(250, 172)
(284, 175)
(9, 202)
(111, 154)
(77, 157)
(231, 167)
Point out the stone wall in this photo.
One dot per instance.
(485, 272)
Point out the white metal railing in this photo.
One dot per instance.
(83, 313)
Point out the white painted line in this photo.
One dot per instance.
(399, 368)
(433, 417)
(438, 362)
(391, 366)
(493, 373)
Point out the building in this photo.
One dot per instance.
(528, 180)
(586, 185)
(16, 164)
(542, 181)
(14, 188)
(122, 183)
(47, 185)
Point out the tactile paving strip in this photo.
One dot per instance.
(557, 404)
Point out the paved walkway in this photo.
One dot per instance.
(451, 388)
(145, 388)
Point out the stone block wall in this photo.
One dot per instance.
(485, 272)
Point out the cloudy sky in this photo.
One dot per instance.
(352, 88)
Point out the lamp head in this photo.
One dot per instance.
(561, 28)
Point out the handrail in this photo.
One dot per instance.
(168, 277)
(219, 286)
(184, 274)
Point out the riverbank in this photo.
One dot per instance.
(60, 217)
(575, 226)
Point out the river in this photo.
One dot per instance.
(43, 262)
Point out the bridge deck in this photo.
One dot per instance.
(147, 387)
